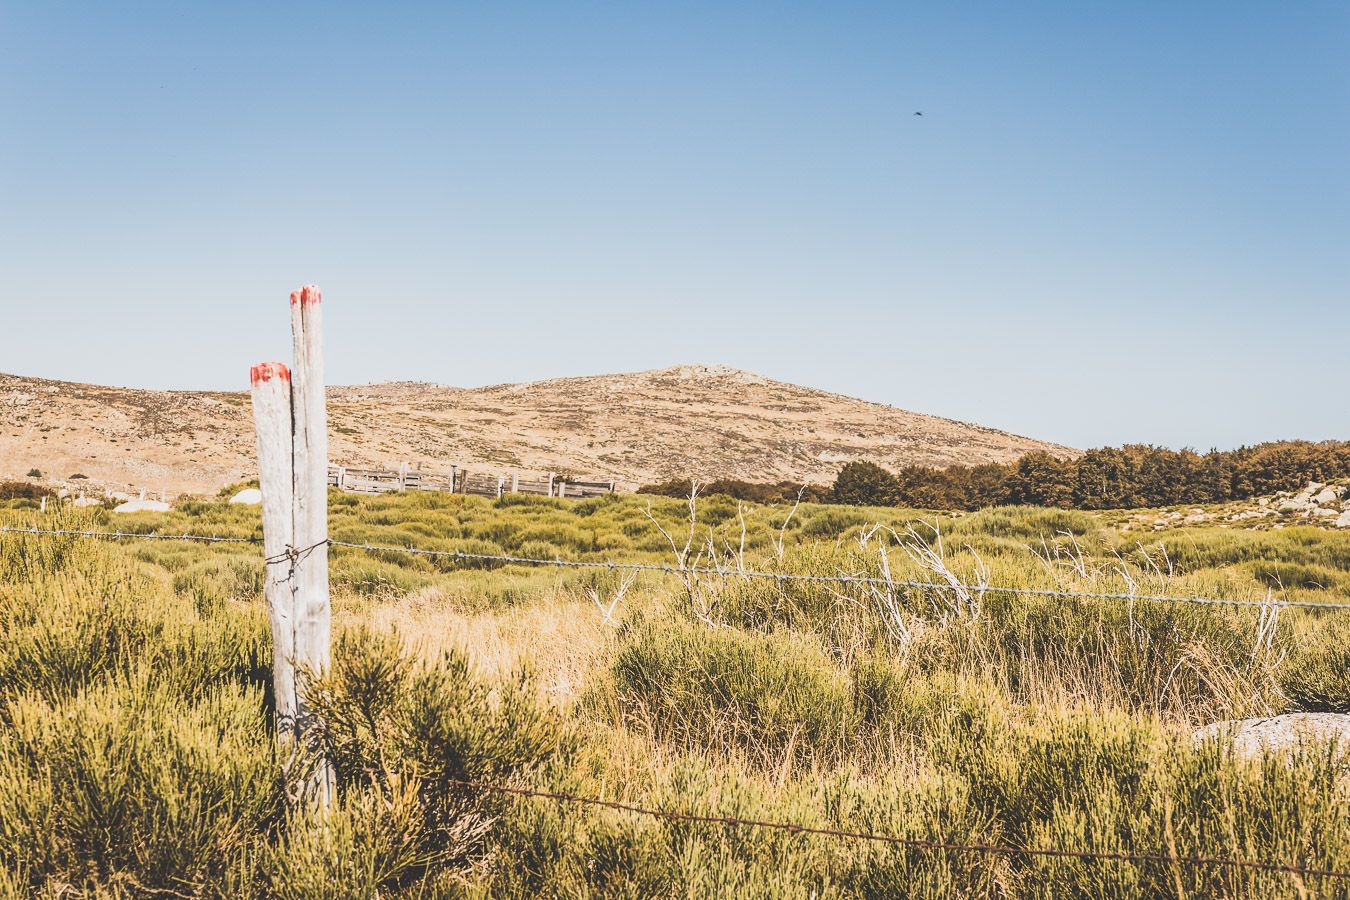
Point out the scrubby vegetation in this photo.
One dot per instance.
(755, 492)
(1107, 478)
(137, 757)
(23, 490)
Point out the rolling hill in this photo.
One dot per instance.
(704, 421)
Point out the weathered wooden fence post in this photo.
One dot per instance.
(310, 413)
(272, 422)
(290, 415)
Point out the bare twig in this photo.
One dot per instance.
(607, 612)
(782, 532)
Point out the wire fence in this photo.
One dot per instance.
(917, 843)
(291, 554)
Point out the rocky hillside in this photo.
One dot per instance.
(1315, 503)
(704, 421)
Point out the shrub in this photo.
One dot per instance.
(361, 848)
(540, 550)
(368, 576)
(865, 484)
(213, 582)
(79, 612)
(127, 788)
(699, 686)
(1285, 575)
(22, 490)
(559, 534)
(752, 491)
(413, 732)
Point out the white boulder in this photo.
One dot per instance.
(250, 496)
(141, 506)
(1251, 737)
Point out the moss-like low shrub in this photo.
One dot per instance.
(697, 686)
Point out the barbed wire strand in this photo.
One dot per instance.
(291, 553)
(9, 529)
(835, 579)
(920, 843)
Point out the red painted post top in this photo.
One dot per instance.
(307, 295)
(268, 371)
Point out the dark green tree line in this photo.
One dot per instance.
(1136, 475)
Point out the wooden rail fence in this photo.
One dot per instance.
(462, 481)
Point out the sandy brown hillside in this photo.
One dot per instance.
(705, 421)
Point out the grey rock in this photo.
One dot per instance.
(1250, 737)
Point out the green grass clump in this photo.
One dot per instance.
(694, 687)
(126, 787)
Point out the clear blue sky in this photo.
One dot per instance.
(1113, 222)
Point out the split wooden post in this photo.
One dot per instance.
(272, 422)
(290, 414)
(312, 608)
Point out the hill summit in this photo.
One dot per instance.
(702, 421)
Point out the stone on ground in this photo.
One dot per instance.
(1251, 737)
(142, 506)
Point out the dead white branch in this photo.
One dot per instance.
(607, 610)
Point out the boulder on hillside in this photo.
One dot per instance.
(1327, 497)
(1317, 500)
(251, 496)
(1252, 737)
